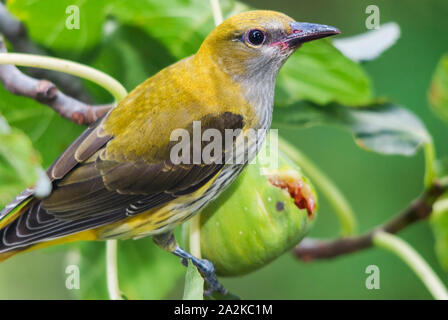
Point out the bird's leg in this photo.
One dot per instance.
(167, 242)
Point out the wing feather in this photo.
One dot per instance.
(90, 189)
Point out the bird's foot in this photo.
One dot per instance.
(205, 268)
(184, 261)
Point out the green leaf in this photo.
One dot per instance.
(145, 271)
(19, 162)
(439, 224)
(129, 55)
(438, 93)
(320, 73)
(384, 128)
(194, 284)
(181, 25)
(46, 22)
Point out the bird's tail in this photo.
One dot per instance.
(11, 212)
(26, 226)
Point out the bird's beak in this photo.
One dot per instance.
(302, 32)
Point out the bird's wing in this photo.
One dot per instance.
(99, 185)
(91, 190)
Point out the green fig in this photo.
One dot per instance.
(264, 213)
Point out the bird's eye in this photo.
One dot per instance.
(255, 37)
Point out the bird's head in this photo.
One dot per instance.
(255, 44)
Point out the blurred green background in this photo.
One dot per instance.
(377, 186)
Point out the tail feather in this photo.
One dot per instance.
(10, 213)
(29, 226)
(21, 204)
(15, 208)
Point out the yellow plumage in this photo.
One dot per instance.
(175, 97)
(117, 180)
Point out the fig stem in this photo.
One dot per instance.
(217, 12)
(195, 235)
(414, 260)
(112, 270)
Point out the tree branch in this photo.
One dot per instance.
(15, 32)
(421, 208)
(47, 93)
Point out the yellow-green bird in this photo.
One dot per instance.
(118, 181)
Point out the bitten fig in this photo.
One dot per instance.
(264, 213)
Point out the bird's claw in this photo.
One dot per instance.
(184, 261)
(205, 268)
(207, 271)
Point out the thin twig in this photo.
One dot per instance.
(47, 93)
(67, 66)
(15, 32)
(414, 260)
(217, 12)
(112, 270)
(195, 236)
(421, 208)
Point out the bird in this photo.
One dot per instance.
(118, 179)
